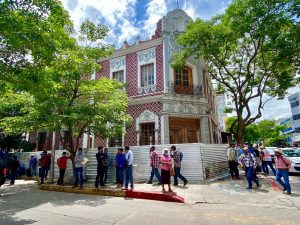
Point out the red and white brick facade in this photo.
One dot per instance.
(157, 103)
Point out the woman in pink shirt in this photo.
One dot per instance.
(282, 170)
(166, 162)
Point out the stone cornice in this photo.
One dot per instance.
(134, 48)
(144, 100)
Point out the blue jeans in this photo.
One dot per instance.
(33, 171)
(129, 177)
(265, 168)
(154, 171)
(250, 174)
(78, 176)
(285, 175)
(178, 174)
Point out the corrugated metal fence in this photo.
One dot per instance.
(200, 161)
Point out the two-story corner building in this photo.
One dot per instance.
(167, 106)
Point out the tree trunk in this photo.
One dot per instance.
(240, 130)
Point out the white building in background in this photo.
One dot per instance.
(294, 100)
(223, 101)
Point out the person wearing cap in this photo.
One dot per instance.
(154, 163)
(166, 162)
(266, 160)
(32, 165)
(248, 162)
(62, 166)
(282, 165)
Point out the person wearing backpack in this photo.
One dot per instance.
(282, 165)
(177, 157)
(232, 162)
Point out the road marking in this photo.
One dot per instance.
(273, 184)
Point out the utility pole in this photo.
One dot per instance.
(177, 4)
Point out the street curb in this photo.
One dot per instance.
(148, 195)
(85, 190)
(155, 195)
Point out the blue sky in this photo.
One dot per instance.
(127, 19)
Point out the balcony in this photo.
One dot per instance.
(185, 90)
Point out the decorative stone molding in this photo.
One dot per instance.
(118, 64)
(147, 89)
(146, 56)
(147, 117)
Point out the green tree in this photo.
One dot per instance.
(252, 49)
(32, 35)
(70, 99)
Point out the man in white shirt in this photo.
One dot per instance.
(129, 161)
(266, 160)
(232, 162)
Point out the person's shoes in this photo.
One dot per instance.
(80, 187)
(74, 186)
(185, 183)
(284, 189)
(170, 190)
(249, 187)
(257, 183)
(288, 193)
(158, 183)
(175, 184)
(149, 182)
(164, 191)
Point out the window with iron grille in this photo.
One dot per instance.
(119, 76)
(147, 134)
(147, 75)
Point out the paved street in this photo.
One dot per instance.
(220, 202)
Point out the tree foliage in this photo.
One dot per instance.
(252, 49)
(265, 131)
(32, 35)
(50, 83)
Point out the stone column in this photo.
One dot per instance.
(165, 135)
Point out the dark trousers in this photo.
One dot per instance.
(60, 180)
(43, 171)
(120, 176)
(105, 174)
(265, 168)
(13, 176)
(233, 169)
(251, 176)
(100, 176)
(178, 174)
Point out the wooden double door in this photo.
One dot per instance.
(184, 130)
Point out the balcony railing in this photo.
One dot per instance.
(186, 90)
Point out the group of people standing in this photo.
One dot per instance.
(251, 157)
(170, 163)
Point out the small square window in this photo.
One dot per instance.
(119, 76)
